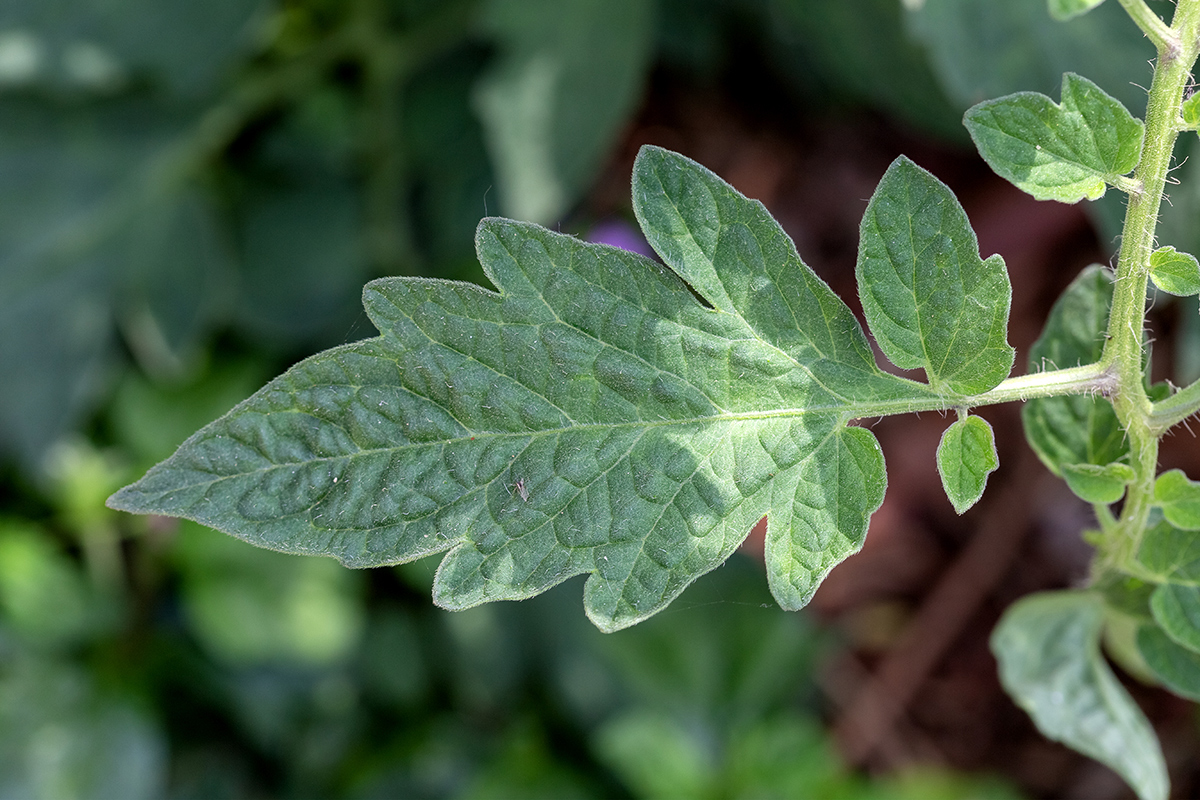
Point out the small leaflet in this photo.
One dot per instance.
(1179, 498)
(1174, 272)
(965, 458)
(1098, 484)
(1064, 152)
(930, 300)
(1190, 110)
(1170, 555)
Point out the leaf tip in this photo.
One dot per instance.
(129, 499)
(651, 157)
(116, 500)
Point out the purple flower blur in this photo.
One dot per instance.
(619, 233)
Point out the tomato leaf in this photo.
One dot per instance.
(1058, 152)
(1048, 646)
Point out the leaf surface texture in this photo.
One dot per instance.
(592, 416)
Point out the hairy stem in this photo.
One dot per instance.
(1177, 52)
(1150, 23)
(1175, 409)
(1088, 379)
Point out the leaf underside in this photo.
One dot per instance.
(1048, 648)
(592, 416)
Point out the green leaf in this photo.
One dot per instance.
(1190, 110)
(1174, 272)
(568, 77)
(1176, 609)
(1058, 152)
(590, 417)
(1098, 484)
(1177, 667)
(965, 458)
(1179, 498)
(1170, 555)
(1048, 646)
(844, 482)
(1078, 429)
(929, 299)
(1065, 9)
(981, 48)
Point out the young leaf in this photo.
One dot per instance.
(1170, 555)
(1179, 498)
(591, 416)
(1177, 609)
(1077, 429)
(1058, 152)
(1098, 484)
(965, 458)
(1174, 272)
(1048, 646)
(929, 299)
(1065, 9)
(1177, 667)
(1190, 110)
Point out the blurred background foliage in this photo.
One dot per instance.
(191, 197)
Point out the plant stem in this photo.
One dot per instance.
(1178, 48)
(1087, 379)
(1175, 409)
(1150, 23)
